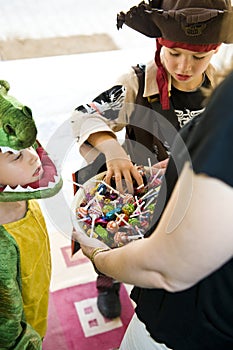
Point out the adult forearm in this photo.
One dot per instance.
(192, 240)
(127, 264)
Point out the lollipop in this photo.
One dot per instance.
(112, 227)
(115, 218)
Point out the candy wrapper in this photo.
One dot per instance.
(102, 212)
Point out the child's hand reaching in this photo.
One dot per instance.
(160, 167)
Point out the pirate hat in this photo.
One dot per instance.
(188, 21)
(18, 131)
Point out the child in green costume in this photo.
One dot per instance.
(26, 173)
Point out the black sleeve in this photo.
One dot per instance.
(210, 143)
(206, 142)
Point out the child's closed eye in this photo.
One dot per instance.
(198, 57)
(17, 156)
(174, 54)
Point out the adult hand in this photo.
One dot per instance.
(87, 244)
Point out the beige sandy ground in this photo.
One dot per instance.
(12, 49)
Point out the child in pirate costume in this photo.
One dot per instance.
(153, 101)
(26, 173)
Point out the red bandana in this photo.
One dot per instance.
(161, 76)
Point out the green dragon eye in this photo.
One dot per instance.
(9, 130)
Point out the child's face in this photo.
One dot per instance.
(21, 168)
(186, 67)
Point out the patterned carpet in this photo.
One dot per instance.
(74, 320)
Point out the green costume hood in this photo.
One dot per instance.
(18, 131)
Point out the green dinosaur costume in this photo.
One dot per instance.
(25, 266)
(18, 131)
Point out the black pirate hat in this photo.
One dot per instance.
(188, 21)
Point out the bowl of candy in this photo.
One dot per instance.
(100, 211)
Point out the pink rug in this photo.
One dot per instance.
(75, 322)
